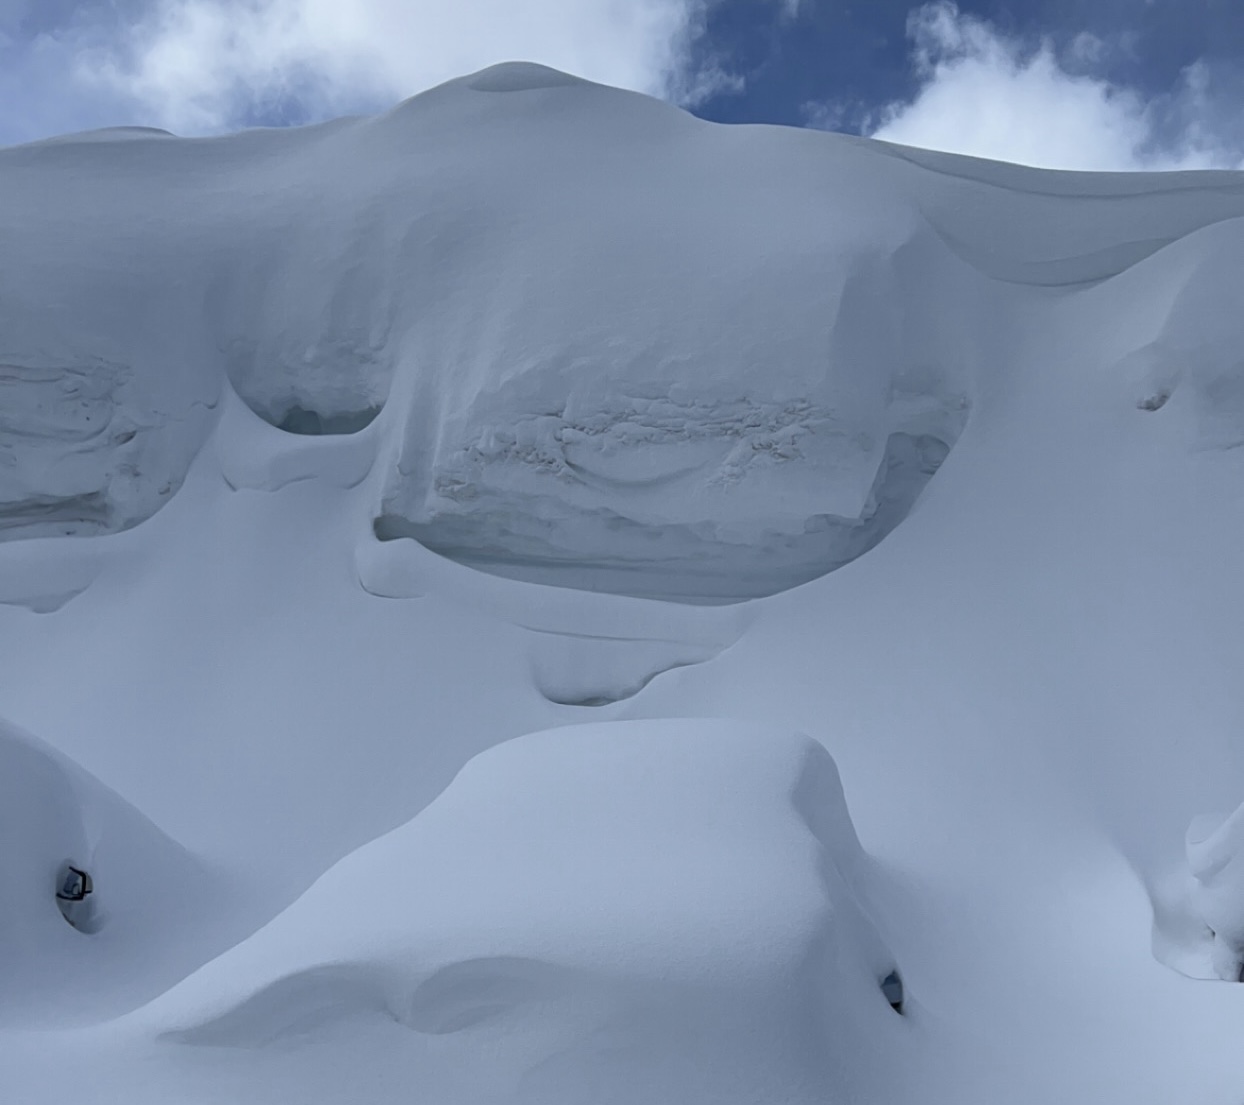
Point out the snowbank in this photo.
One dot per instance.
(668, 910)
(149, 920)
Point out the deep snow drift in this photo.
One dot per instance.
(933, 460)
(570, 903)
(146, 887)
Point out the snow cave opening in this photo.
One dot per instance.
(312, 423)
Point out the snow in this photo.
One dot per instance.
(145, 887)
(569, 902)
(423, 539)
(1199, 924)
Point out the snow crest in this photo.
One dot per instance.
(627, 876)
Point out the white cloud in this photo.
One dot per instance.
(204, 65)
(988, 95)
(692, 87)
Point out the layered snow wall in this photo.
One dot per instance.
(617, 348)
(550, 416)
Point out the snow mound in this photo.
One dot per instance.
(1199, 921)
(1216, 860)
(551, 925)
(142, 928)
(519, 76)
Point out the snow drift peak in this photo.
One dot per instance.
(519, 76)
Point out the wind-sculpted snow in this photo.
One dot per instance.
(1215, 855)
(83, 449)
(673, 503)
(1199, 913)
(145, 886)
(573, 336)
(598, 670)
(566, 905)
(710, 398)
(1178, 335)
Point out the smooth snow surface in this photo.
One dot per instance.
(568, 905)
(381, 502)
(146, 886)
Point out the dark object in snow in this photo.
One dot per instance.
(73, 887)
(892, 988)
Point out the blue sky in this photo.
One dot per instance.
(860, 51)
(1097, 84)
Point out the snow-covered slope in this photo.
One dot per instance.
(55, 814)
(569, 905)
(933, 460)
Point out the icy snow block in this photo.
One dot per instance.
(628, 911)
(133, 935)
